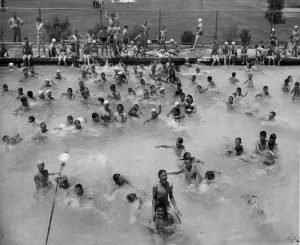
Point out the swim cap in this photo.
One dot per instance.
(53, 40)
(106, 102)
(40, 92)
(176, 103)
(140, 70)
(226, 43)
(94, 41)
(120, 73)
(199, 20)
(186, 58)
(48, 91)
(295, 26)
(153, 110)
(40, 163)
(10, 65)
(162, 89)
(233, 43)
(58, 71)
(116, 68)
(172, 40)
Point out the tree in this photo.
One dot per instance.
(58, 28)
(274, 14)
(245, 36)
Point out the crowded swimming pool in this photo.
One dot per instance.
(248, 202)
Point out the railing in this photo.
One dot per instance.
(216, 24)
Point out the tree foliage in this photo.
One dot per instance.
(58, 28)
(245, 36)
(230, 33)
(274, 14)
(187, 37)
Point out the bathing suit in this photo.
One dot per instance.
(199, 29)
(27, 48)
(239, 150)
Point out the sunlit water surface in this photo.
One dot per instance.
(219, 215)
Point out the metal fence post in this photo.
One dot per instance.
(216, 28)
(100, 9)
(159, 23)
(40, 13)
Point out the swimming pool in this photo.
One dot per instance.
(220, 215)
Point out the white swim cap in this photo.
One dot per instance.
(140, 70)
(58, 71)
(120, 73)
(273, 29)
(40, 162)
(148, 41)
(106, 102)
(53, 40)
(186, 58)
(48, 91)
(94, 41)
(198, 61)
(162, 89)
(172, 40)
(10, 65)
(193, 104)
(153, 110)
(233, 43)
(295, 26)
(176, 103)
(40, 92)
(199, 20)
(226, 43)
(116, 68)
(132, 42)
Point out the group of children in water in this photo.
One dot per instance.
(162, 74)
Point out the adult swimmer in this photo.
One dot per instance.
(161, 192)
(178, 147)
(176, 112)
(41, 178)
(154, 114)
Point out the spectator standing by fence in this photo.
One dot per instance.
(15, 24)
(146, 29)
(296, 35)
(40, 35)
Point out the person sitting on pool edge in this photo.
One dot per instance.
(154, 114)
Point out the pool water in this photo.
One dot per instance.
(219, 215)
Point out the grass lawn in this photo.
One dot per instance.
(177, 16)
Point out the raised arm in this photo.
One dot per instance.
(172, 199)
(164, 146)
(150, 119)
(176, 172)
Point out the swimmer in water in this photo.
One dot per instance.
(254, 204)
(229, 103)
(77, 124)
(192, 174)
(188, 157)
(69, 94)
(106, 113)
(131, 91)
(249, 81)
(133, 112)
(20, 93)
(154, 114)
(5, 90)
(176, 112)
(24, 105)
(211, 83)
(286, 85)
(237, 95)
(58, 75)
(41, 95)
(210, 176)
(120, 115)
(11, 140)
(261, 144)
(119, 181)
(48, 96)
(31, 120)
(133, 197)
(41, 178)
(233, 79)
(95, 117)
(238, 148)
(264, 94)
(114, 95)
(30, 95)
(200, 90)
(272, 151)
(178, 147)
(78, 193)
(161, 192)
(296, 91)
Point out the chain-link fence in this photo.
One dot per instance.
(222, 25)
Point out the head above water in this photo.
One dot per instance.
(131, 197)
(272, 115)
(78, 189)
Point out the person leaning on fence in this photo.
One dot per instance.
(62, 52)
(225, 53)
(94, 52)
(40, 35)
(52, 49)
(199, 32)
(233, 54)
(15, 24)
(27, 52)
(215, 53)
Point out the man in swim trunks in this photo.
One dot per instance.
(178, 147)
(161, 192)
(41, 178)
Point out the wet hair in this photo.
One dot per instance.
(209, 78)
(273, 136)
(265, 87)
(78, 186)
(5, 137)
(209, 175)
(131, 197)
(38, 18)
(182, 94)
(191, 97)
(116, 177)
(194, 76)
(136, 105)
(113, 87)
(23, 99)
(94, 115)
(29, 94)
(160, 172)
(4, 85)
(238, 88)
(31, 118)
(273, 113)
(296, 83)
(263, 133)
(230, 97)
(120, 105)
(70, 89)
(70, 117)
(100, 99)
(233, 74)
(180, 140)
(25, 38)
(126, 26)
(20, 89)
